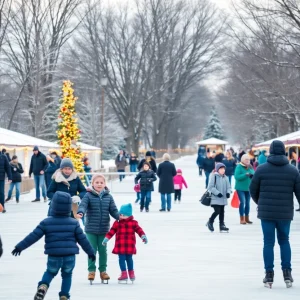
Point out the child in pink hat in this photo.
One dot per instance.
(179, 181)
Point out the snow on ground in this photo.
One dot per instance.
(182, 260)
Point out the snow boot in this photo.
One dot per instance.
(247, 220)
(288, 279)
(7, 199)
(104, 277)
(210, 226)
(242, 220)
(123, 277)
(64, 298)
(269, 279)
(91, 277)
(41, 292)
(223, 228)
(131, 275)
(162, 209)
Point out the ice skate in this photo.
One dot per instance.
(41, 292)
(288, 279)
(123, 278)
(210, 226)
(104, 277)
(268, 280)
(91, 277)
(223, 228)
(131, 275)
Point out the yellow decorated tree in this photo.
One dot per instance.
(68, 132)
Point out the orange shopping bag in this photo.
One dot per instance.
(235, 201)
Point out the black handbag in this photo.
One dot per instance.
(206, 198)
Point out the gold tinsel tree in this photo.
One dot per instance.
(68, 132)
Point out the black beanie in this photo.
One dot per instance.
(277, 148)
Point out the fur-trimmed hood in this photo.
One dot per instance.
(60, 178)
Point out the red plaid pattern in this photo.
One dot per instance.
(125, 231)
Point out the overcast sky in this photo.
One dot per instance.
(222, 3)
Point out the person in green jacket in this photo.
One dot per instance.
(243, 175)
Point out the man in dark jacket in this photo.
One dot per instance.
(208, 166)
(4, 169)
(272, 189)
(38, 166)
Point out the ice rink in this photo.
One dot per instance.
(182, 260)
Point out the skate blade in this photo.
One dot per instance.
(122, 281)
(269, 285)
(91, 282)
(288, 283)
(105, 281)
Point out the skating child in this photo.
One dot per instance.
(125, 230)
(137, 189)
(179, 181)
(146, 178)
(220, 190)
(62, 233)
(97, 205)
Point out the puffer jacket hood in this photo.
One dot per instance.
(61, 205)
(277, 154)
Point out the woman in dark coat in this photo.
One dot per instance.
(149, 159)
(53, 164)
(230, 164)
(166, 171)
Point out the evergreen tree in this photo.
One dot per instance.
(214, 128)
(68, 132)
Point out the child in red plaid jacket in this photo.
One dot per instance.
(125, 230)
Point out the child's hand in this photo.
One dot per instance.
(79, 216)
(145, 240)
(16, 252)
(104, 243)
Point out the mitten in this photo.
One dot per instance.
(105, 241)
(144, 238)
(227, 195)
(251, 175)
(76, 199)
(16, 251)
(220, 195)
(92, 257)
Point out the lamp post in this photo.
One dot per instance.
(103, 85)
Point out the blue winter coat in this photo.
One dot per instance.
(62, 233)
(53, 166)
(72, 185)
(97, 208)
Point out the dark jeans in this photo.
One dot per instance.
(121, 176)
(283, 230)
(207, 174)
(145, 199)
(244, 203)
(54, 264)
(123, 259)
(229, 178)
(48, 179)
(200, 171)
(2, 192)
(133, 168)
(165, 199)
(178, 195)
(138, 196)
(219, 210)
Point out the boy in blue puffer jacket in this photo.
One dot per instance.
(62, 233)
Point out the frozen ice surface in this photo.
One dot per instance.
(183, 260)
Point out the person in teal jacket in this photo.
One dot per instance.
(243, 175)
(262, 157)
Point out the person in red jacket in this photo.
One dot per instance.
(179, 181)
(125, 230)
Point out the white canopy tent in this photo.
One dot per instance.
(213, 142)
(21, 145)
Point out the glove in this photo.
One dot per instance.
(104, 243)
(92, 257)
(16, 252)
(76, 199)
(250, 175)
(145, 240)
(228, 195)
(220, 195)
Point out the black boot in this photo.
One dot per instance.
(288, 279)
(298, 209)
(223, 228)
(7, 199)
(210, 226)
(269, 278)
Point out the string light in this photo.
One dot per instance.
(68, 132)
